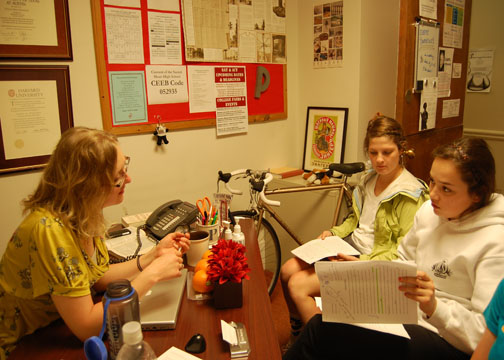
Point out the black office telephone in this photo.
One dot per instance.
(168, 217)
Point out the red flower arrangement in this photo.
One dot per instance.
(227, 262)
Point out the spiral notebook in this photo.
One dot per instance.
(159, 308)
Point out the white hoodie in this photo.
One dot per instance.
(465, 258)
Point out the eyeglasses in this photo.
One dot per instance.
(124, 173)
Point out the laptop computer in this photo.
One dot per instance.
(159, 308)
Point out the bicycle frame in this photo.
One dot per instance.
(262, 206)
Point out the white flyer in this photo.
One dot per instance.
(365, 292)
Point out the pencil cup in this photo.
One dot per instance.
(213, 231)
(199, 244)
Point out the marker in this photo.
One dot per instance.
(214, 220)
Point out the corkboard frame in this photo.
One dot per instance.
(103, 87)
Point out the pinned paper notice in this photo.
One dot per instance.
(229, 333)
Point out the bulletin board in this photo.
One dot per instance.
(272, 104)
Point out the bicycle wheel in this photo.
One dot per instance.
(268, 245)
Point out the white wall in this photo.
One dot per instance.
(187, 167)
(483, 112)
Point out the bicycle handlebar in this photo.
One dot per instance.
(257, 184)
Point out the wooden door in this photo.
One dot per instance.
(408, 102)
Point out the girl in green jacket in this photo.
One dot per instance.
(384, 205)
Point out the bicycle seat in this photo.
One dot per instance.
(348, 168)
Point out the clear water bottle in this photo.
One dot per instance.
(134, 347)
(121, 304)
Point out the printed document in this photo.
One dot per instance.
(365, 292)
(126, 245)
(317, 249)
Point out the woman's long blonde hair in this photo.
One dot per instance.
(77, 180)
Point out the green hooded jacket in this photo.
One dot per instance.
(394, 216)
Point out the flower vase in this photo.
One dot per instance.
(228, 295)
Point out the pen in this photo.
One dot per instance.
(214, 220)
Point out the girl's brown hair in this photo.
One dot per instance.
(385, 126)
(78, 180)
(476, 164)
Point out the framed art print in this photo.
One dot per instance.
(324, 137)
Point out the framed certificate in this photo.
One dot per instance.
(35, 30)
(35, 109)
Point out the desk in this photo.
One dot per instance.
(57, 342)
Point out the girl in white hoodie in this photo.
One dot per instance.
(458, 246)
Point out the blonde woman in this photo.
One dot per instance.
(58, 255)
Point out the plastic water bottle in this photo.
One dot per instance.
(134, 347)
(121, 305)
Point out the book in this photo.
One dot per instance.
(285, 172)
(317, 249)
(365, 292)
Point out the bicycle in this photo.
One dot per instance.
(260, 205)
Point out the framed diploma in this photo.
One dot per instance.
(35, 109)
(35, 30)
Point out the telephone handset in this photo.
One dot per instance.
(168, 217)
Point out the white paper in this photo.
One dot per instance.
(164, 38)
(428, 8)
(201, 88)
(426, 64)
(365, 292)
(29, 118)
(123, 28)
(453, 27)
(317, 249)
(479, 70)
(451, 108)
(457, 70)
(174, 353)
(28, 23)
(444, 72)
(126, 245)
(229, 333)
(231, 100)
(127, 3)
(393, 329)
(167, 5)
(428, 105)
(166, 84)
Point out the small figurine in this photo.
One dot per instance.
(161, 134)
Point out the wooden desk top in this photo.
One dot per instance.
(57, 342)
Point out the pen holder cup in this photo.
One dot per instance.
(212, 230)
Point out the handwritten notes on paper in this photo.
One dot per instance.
(426, 64)
(365, 292)
(317, 249)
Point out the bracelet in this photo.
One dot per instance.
(138, 263)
